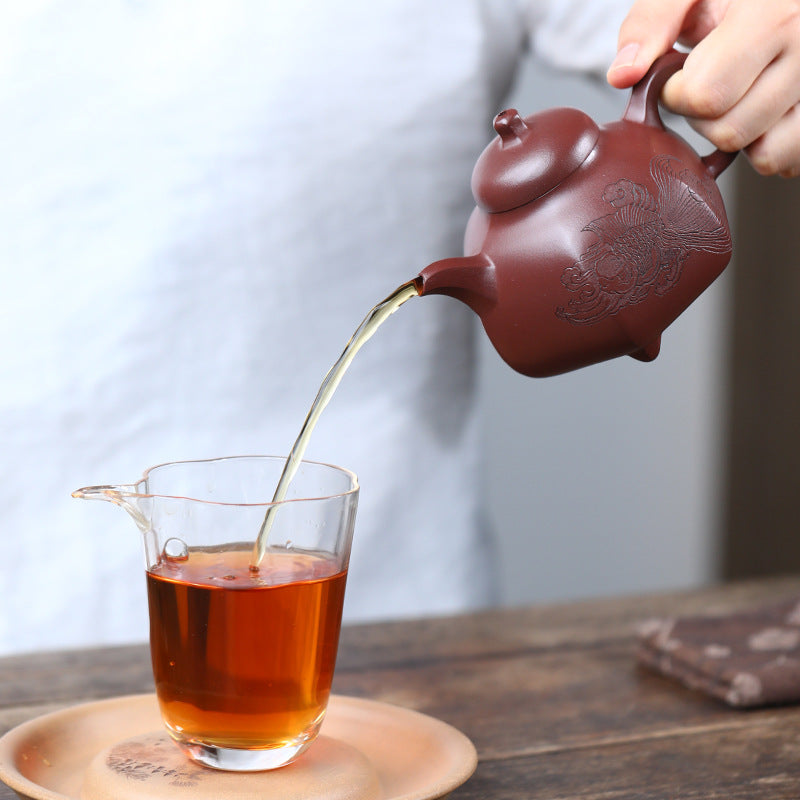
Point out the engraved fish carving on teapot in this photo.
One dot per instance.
(587, 241)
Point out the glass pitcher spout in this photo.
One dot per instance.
(185, 507)
(123, 495)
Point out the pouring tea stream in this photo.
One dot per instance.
(586, 242)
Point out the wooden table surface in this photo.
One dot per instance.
(551, 697)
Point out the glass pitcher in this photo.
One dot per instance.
(243, 653)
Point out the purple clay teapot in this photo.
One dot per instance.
(587, 241)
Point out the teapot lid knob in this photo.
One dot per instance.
(511, 127)
(531, 156)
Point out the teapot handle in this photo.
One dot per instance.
(643, 105)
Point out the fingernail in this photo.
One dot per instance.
(626, 57)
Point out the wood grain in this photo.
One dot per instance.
(551, 697)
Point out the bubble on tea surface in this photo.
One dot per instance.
(175, 550)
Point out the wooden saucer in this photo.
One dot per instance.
(116, 749)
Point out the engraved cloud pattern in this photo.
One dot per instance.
(642, 245)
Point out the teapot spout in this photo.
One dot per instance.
(470, 279)
(123, 495)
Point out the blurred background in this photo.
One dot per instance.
(622, 477)
(629, 477)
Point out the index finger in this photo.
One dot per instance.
(649, 30)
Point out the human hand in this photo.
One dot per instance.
(740, 84)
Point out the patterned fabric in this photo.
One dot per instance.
(746, 659)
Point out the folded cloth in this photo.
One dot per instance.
(747, 659)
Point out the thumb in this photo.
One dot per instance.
(649, 30)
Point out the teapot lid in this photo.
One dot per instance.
(531, 156)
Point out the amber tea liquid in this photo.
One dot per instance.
(244, 659)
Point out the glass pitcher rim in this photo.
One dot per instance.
(129, 490)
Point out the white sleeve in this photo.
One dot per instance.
(578, 35)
